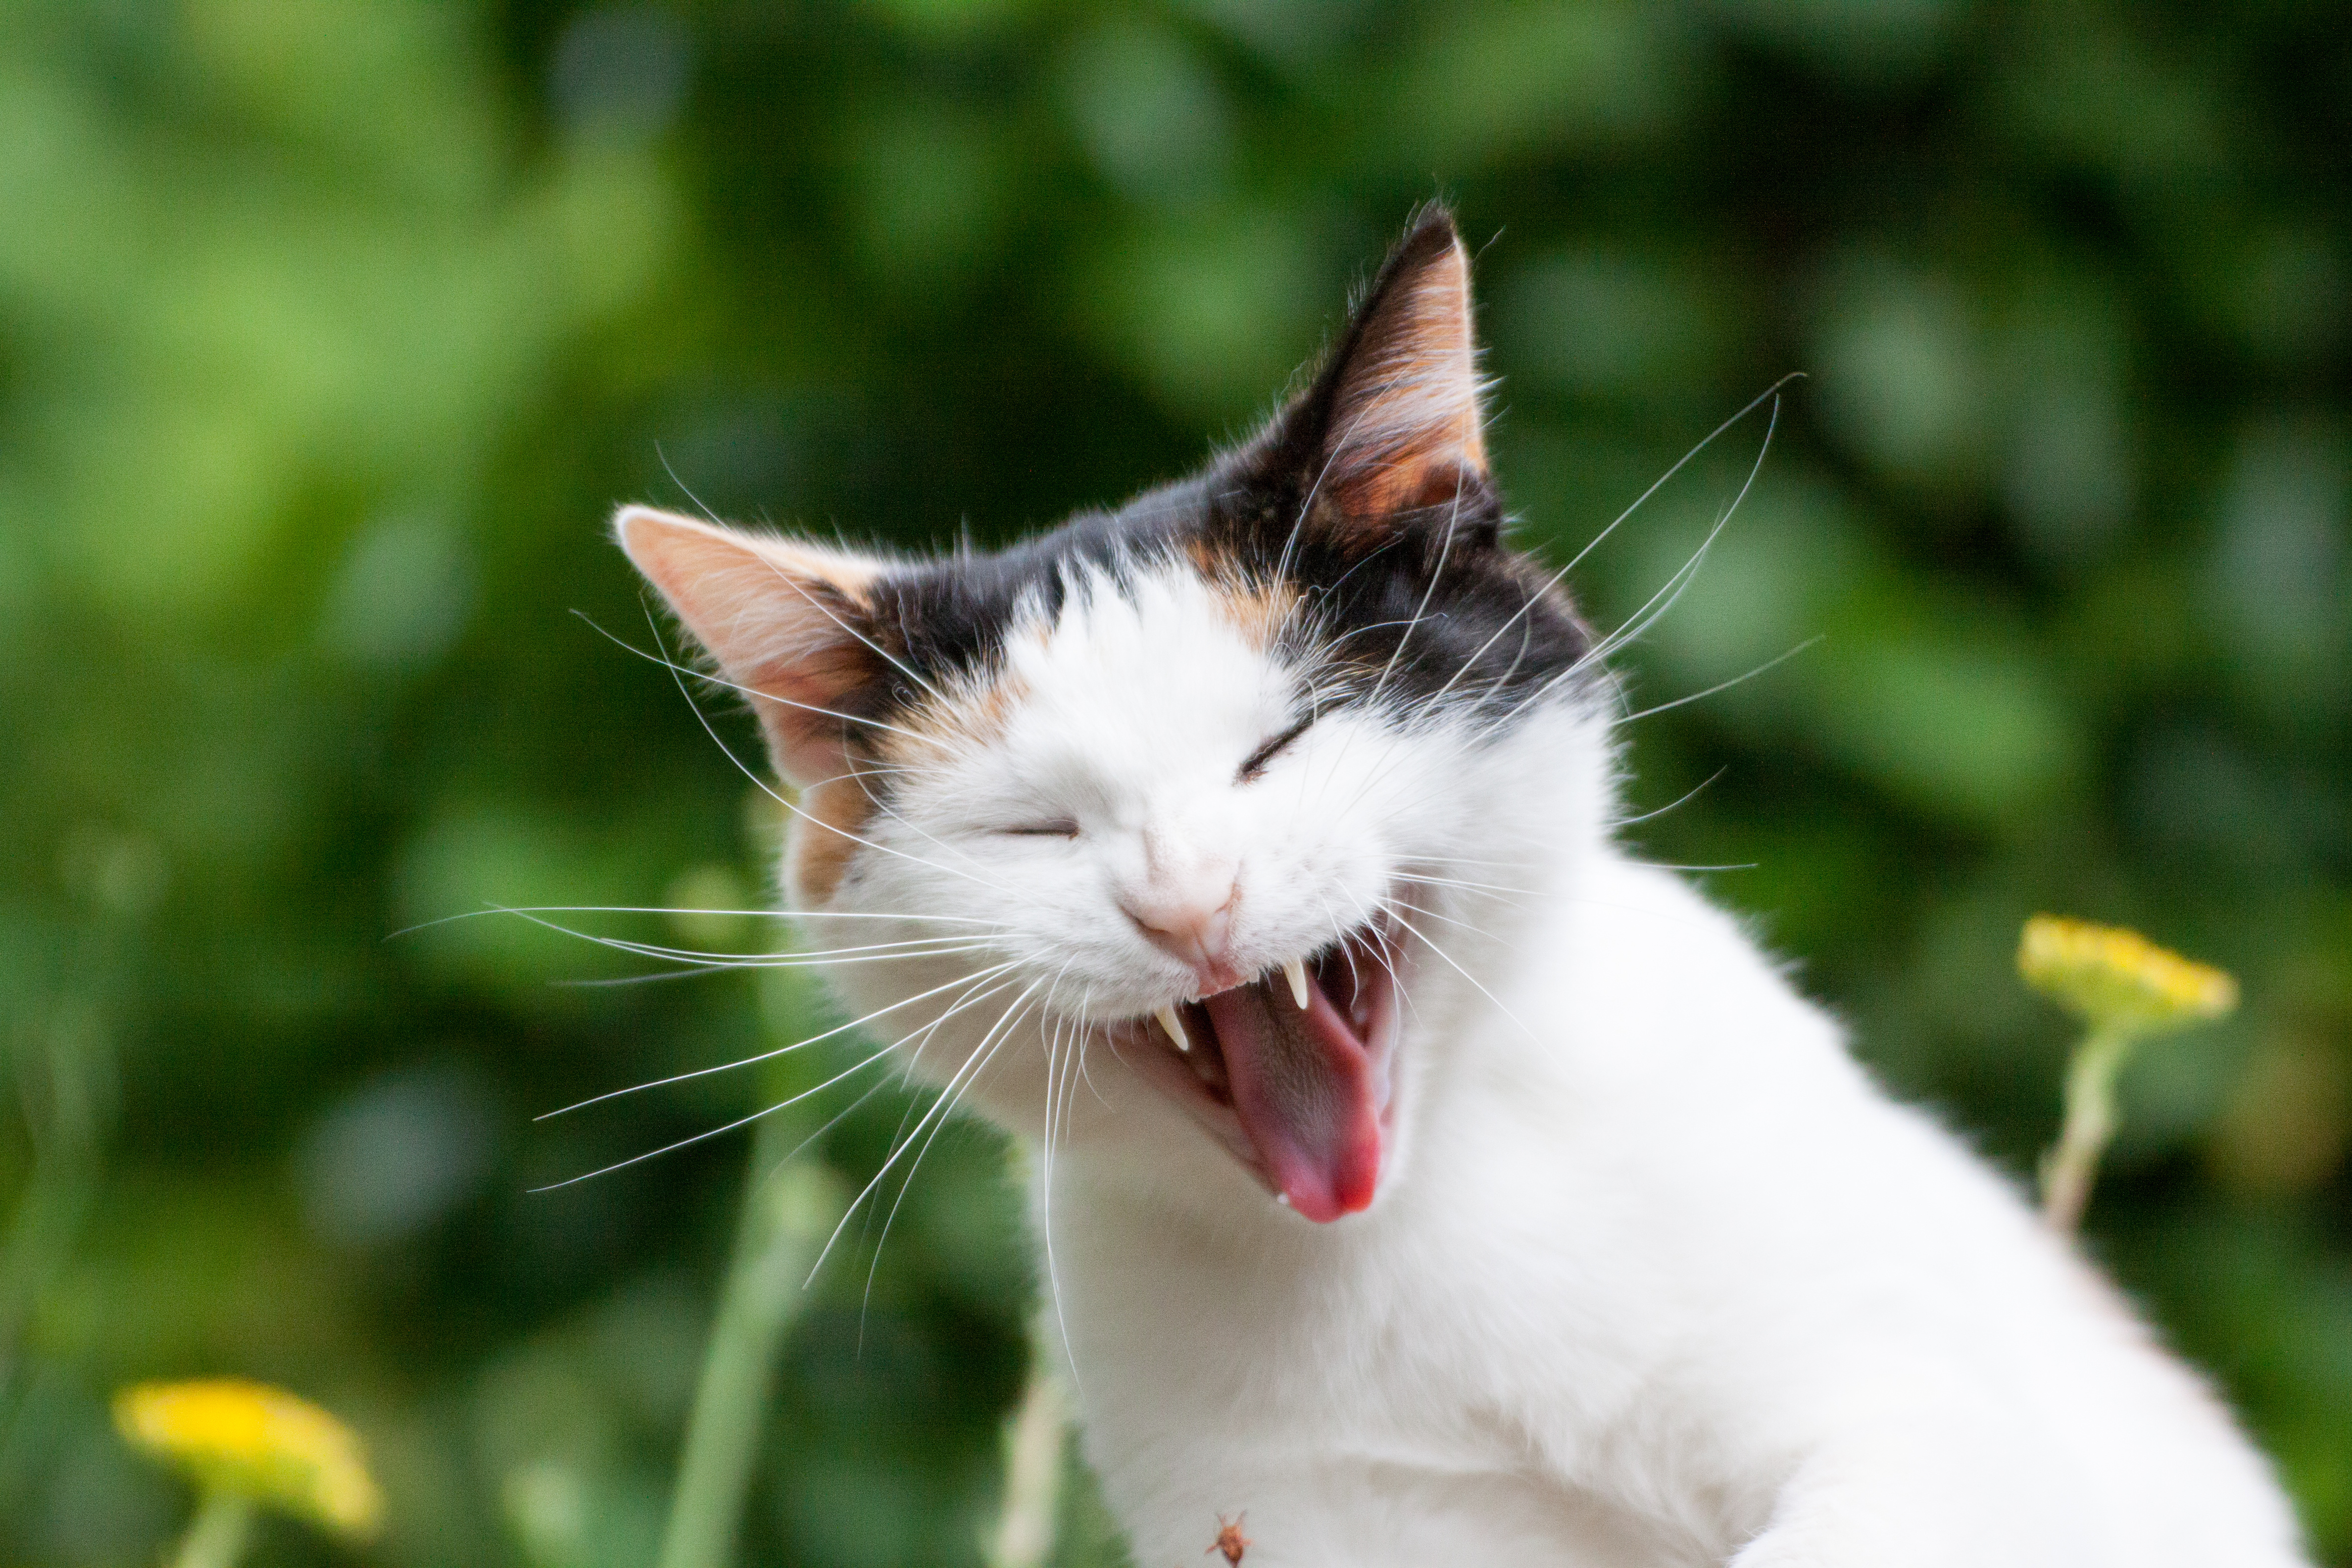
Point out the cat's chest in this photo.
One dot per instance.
(1406, 1350)
(1318, 1392)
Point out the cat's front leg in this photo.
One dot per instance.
(1937, 1488)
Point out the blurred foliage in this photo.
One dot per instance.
(329, 334)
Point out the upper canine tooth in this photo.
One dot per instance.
(1295, 972)
(1175, 1027)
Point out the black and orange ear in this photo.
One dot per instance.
(781, 618)
(1392, 422)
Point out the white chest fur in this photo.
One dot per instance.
(1664, 1280)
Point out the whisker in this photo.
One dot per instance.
(906, 1182)
(1687, 794)
(787, 959)
(783, 958)
(1665, 866)
(1672, 592)
(1380, 953)
(1456, 882)
(791, 805)
(1726, 684)
(1465, 974)
(769, 1056)
(1656, 485)
(667, 909)
(899, 1152)
(1046, 1225)
(1444, 550)
(708, 1134)
(1771, 393)
(1391, 905)
(822, 608)
(703, 675)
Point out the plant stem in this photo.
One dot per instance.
(788, 1211)
(2069, 1169)
(1034, 1442)
(218, 1534)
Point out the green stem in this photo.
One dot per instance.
(2069, 1169)
(68, 1104)
(787, 1214)
(1033, 1444)
(218, 1534)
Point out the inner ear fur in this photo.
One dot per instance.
(780, 617)
(1392, 424)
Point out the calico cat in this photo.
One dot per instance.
(1418, 1173)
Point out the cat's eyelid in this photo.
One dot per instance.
(1258, 760)
(1053, 827)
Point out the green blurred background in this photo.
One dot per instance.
(330, 332)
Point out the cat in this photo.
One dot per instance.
(1417, 1171)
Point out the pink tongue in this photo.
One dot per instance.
(1302, 1085)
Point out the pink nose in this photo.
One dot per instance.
(1191, 921)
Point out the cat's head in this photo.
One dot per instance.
(1202, 790)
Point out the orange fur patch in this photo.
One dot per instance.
(1259, 610)
(834, 814)
(974, 716)
(826, 833)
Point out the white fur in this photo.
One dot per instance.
(1654, 1276)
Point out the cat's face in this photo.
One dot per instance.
(1183, 790)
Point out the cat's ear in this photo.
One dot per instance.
(1393, 422)
(780, 617)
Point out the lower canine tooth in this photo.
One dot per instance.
(1175, 1027)
(1295, 972)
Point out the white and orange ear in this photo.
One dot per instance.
(780, 617)
(1395, 414)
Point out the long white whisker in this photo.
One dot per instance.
(791, 805)
(1671, 593)
(667, 909)
(1670, 866)
(1769, 664)
(715, 1132)
(911, 947)
(822, 608)
(1489, 995)
(1656, 485)
(906, 1182)
(1457, 882)
(894, 1155)
(921, 947)
(780, 1050)
(1771, 393)
(1444, 549)
(719, 681)
(1687, 794)
(1391, 905)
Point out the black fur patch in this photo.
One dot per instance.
(1431, 597)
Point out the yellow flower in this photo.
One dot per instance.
(234, 1435)
(2118, 980)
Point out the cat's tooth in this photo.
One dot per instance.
(1175, 1027)
(1295, 972)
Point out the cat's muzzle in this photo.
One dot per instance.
(1299, 1094)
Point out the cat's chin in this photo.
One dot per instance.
(1300, 1095)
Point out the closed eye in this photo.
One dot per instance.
(1055, 827)
(1254, 767)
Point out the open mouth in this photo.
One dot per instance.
(1290, 1072)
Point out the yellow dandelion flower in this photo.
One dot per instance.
(2124, 987)
(252, 1440)
(2117, 980)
